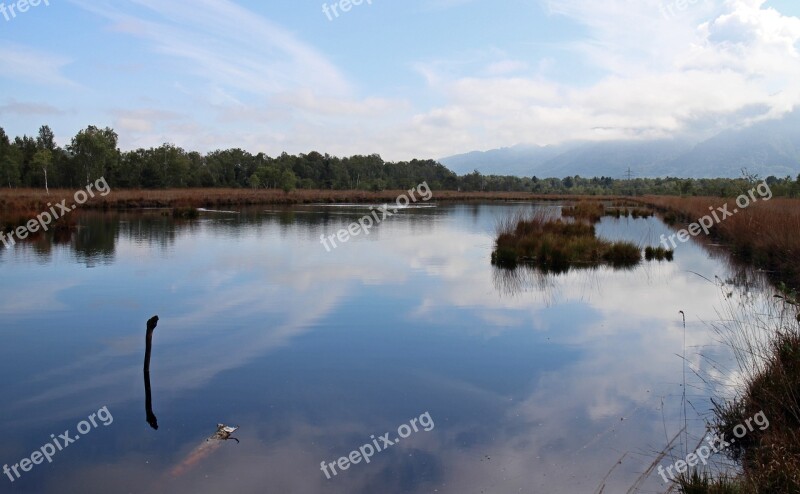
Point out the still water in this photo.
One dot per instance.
(507, 382)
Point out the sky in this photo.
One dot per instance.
(403, 79)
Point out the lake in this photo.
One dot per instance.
(500, 382)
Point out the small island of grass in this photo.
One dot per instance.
(555, 245)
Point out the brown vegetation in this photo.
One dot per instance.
(762, 421)
(766, 234)
(585, 210)
(553, 245)
(630, 212)
(25, 200)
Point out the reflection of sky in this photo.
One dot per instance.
(539, 390)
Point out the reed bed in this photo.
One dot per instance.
(765, 340)
(26, 200)
(766, 234)
(634, 213)
(585, 210)
(544, 240)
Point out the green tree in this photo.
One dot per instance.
(176, 165)
(25, 150)
(45, 157)
(9, 172)
(288, 181)
(199, 176)
(472, 182)
(154, 169)
(228, 167)
(9, 167)
(43, 160)
(129, 172)
(95, 152)
(686, 187)
(46, 139)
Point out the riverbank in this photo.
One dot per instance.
(25, 200)
(764, 234)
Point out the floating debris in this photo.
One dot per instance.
(224, 433)
(205, 449)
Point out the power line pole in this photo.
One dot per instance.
(629, 174)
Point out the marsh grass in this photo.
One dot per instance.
(766, 344)
(25, 200)
(618, 213)
(642, 213)
(626, 212)
(697, 482)
(770, 459)
(544, 240)
(585, 210)
(764, 235)
(658, 254)
(622, 254)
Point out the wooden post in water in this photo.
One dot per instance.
(148, 402)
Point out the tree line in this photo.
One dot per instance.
(39, 162)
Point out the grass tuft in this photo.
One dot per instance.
(659, 254)
(585, 210)
(765, 413)
(554, 245)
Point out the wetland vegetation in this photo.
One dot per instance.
(551, 244)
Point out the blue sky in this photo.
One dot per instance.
(417, 78)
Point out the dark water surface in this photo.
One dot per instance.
(530, 383)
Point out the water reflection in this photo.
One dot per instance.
(94, 239)
(204, 450)
(537, 384)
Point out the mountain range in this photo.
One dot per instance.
(766, 148)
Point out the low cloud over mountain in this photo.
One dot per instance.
(766, 148)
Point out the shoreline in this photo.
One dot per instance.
(16, 201)
(757, 237)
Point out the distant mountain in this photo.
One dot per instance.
(612, 159)
(517, 160)
(767, 148)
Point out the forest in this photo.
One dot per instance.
(39, 162)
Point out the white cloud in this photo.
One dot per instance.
(224, 44)
(662, 75)
(503, 67)
(141, 121)
(28, 65)
(632, 72)
(15, 107)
